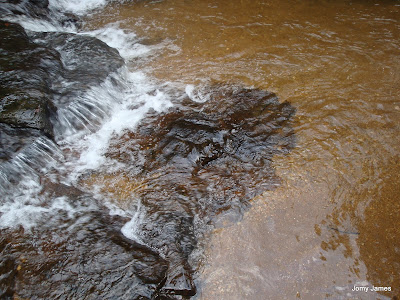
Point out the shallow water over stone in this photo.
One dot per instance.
(325, 214)
(197, 164)
(337, 63)
(183, 167)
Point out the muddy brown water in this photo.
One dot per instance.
(334, 222)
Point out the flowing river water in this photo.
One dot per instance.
(315, 217)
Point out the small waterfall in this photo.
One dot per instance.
(120, 173)
(90, 97)
(94, 94)
(37, 154)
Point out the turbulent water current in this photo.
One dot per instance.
(199, 149)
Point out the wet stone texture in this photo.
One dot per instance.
(78, 256)
(12, 140)
(37, 9)
(31, 8)
(46, 71)
(37, 80)
(25, 79)
(78, 253)
(87, 61)
(201, 163)
(43, 72)
(193, 166)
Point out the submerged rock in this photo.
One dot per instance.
(202, 161)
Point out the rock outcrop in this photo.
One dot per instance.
(203, 161)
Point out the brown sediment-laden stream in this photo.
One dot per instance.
(201, 150)
(333, 223)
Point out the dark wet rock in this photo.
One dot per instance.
(70, 20)
(82, 254)
(80, 257)
(8, 270)
(38, 9)
(25, 70)
(40, 3)
(35, 78)
(204, 161)
(13, 140)
(31, 8)
(87, 61)
(23, 151)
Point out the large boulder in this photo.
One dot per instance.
(200, 162)
(35, 78)
(87, 61)
(25, 79)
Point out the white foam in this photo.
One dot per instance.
(88, 124)
(23, 208)
(130, 229)
(38, 25)
(122, 40)
(135, 101)
(16, 214)
(195, 94)
(78, 7)
(31, 206)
